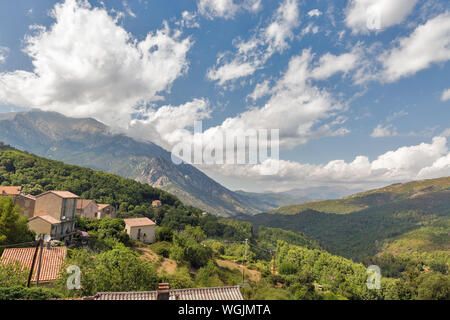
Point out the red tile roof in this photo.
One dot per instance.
(10, 190)
(62, 194)
(139, 222)
(215, 293)
(52, 260)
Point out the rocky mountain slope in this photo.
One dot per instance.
(89, 143)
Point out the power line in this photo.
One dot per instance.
(17, 244)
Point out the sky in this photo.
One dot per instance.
(359, 89)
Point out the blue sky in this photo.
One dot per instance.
(393, 78)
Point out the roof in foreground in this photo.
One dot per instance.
(214, 293)
(52, 260)
(139, 222)
(10, 190)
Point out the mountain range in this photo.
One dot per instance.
(89, 143)
(373, 221)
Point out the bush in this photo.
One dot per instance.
(164, 234)
(34, 293)
(161, 248)
(287, 268)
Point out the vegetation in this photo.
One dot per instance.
(13, 226)
(407, 238)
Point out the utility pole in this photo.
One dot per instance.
(274, 271)
(40, 263)
(34, 261)
(245, 260)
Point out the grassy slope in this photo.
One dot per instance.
(432, 237)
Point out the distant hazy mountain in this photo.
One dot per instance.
(319, 193)
(268, 201)
(89, 143)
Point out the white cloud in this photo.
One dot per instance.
(128, 9)
(261, 90)
(298, 109)
(3, 53)
(226, 9)
(445, 95)
(116, 77)
(166, 125)
(384, 131)
(330, 64)
(389, 12)
(188, 20)
(252, 54)
(426, 160)
(428, 44)
(314, 13)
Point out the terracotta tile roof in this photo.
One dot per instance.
(10, 190)
(139, 222)
(47, 218)
(52, 260)
(30, 196)
(215, 293)
(62, 194)
(83, 203)
(102, 206)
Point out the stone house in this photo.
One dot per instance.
(140, 229)
(86, 208)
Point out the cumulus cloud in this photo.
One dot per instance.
(115, 78)
(226, 9)
(429, 43)
(167, 125)
(314, 13)
(445, 95)
(252, 54)
(300, 110)
(360, 14)
(384, 131)
(330, 64)
(188, 20)
(422, 161)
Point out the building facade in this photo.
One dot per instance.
(140, 229)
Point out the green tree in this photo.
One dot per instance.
(13, 226)
(12, 274)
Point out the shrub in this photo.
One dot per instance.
(34, 293)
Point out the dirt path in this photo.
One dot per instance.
(168, 265)
(253, 275)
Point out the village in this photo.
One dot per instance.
(52, 215)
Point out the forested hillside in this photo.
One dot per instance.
(196, 250)
(357, 226)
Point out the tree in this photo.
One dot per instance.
(119, 269)
(13, 226)
(12, 274)
(433, 286)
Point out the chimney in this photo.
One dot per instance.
(163, 291)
